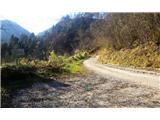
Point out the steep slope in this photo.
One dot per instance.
(9, 28)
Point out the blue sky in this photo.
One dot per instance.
(38, 15)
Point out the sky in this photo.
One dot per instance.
(38, 15)
(33, 15)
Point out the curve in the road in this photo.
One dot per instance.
(143, 78)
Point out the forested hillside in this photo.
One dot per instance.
(119, 30)
(9, 28)
(89, 32)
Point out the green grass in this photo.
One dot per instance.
(74, 67)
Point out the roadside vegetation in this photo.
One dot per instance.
(28, 72)
(143, 56)
(132, 39)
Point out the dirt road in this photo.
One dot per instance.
(148, 78)
(92, 90)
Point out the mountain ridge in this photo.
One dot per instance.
(9, 28)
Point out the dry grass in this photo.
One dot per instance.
(143, 56)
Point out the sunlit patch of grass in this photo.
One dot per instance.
(74, 67)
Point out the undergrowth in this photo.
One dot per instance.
(143, 56)
(28, 72)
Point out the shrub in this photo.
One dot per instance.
(80, 55)
(55, 61)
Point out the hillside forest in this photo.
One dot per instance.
(90, 32)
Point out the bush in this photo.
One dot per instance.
(55, 61)
(80, 55)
